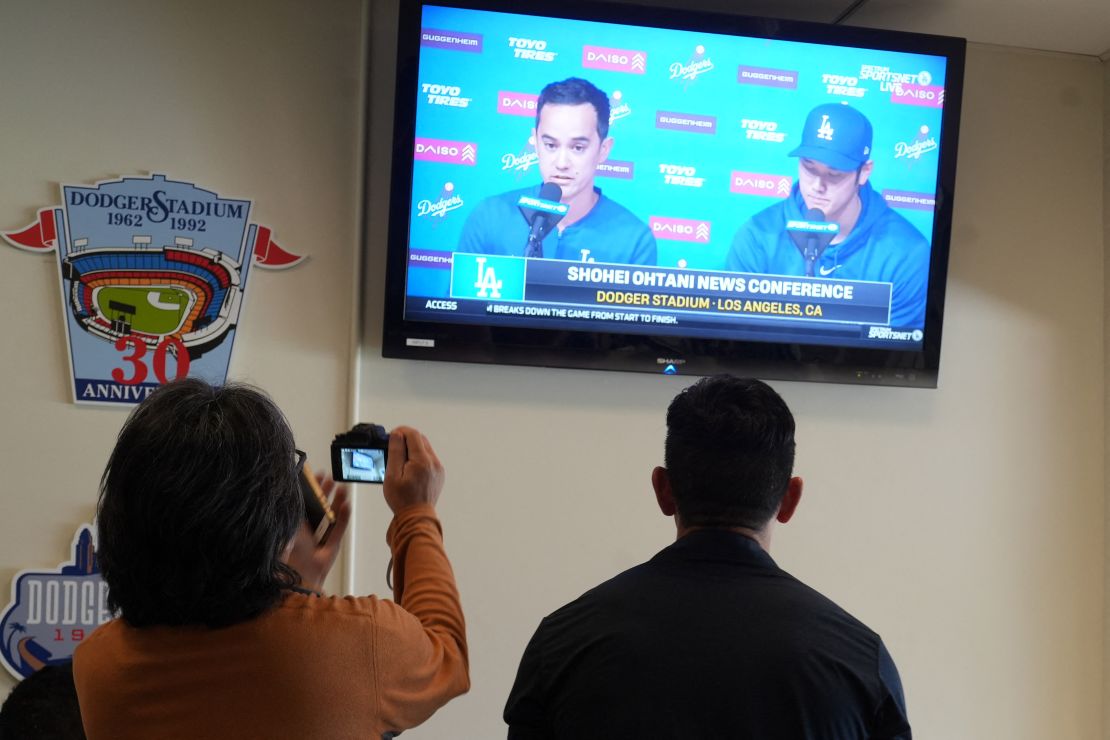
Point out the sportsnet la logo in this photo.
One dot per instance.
(757, 130)
(757, 183)
(52, 611)
(677, 174)
(449, 152)
(614, 60)
(698, 64)
(618, 108)
(516, 103)
(534, 49)
(889, 80)
(680, 229)
(448, 95)
(447, 201)
(921, 144)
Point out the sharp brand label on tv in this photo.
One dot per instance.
(763, 191)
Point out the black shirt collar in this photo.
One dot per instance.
(719, 545)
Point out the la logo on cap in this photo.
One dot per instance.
(825, 131)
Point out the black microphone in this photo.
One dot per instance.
(541, 221)
(812, 252)
(810, 237)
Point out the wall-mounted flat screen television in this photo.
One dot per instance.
(607, 186)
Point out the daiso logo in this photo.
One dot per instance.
(758, 183)
(450, 152)
(614, 60)
(516, 103)
(679, 229)
(930, 96)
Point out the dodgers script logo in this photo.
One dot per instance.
(522, 162)
(52, 611)
(921, 144)
(447, 201)
(698, 64)
(153, 273)
(618, 107)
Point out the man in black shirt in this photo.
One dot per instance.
(710, 639)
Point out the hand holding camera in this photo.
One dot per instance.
(414, 474)
(403, 460)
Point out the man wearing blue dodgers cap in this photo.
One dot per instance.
(872, 241)
(571, 137)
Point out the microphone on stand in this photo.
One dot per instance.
(542, 214)
(812, 236)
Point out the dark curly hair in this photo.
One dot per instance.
(197, 504)
(729, 452)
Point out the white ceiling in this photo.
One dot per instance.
(1071, 26)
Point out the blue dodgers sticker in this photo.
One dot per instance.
(153, 273)
(51, 612)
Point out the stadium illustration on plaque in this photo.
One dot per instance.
(153, 274)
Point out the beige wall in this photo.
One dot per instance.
(965, 524)
(257, 100)
(1106, 368)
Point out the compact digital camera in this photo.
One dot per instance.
(359, 456)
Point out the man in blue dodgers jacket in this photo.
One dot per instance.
(571, 139)
(873, 243)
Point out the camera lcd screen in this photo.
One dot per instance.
(363, 464)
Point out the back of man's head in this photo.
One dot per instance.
(43, 706)
(729, 452)
(197, 503)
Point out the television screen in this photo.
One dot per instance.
(606, 186)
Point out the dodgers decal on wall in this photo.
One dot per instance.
(51, 612)
(152, 274)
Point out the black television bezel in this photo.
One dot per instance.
(598, 349)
